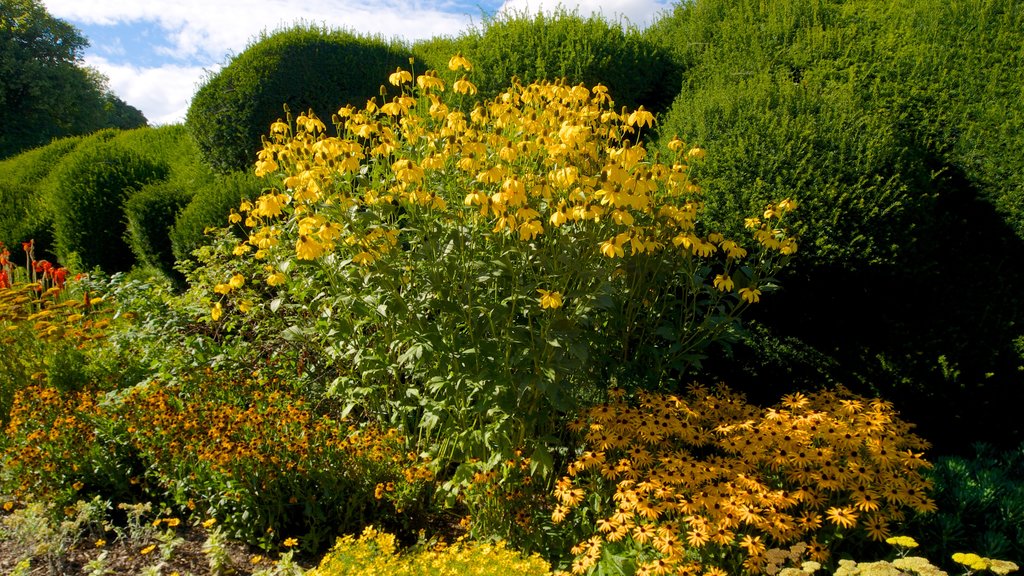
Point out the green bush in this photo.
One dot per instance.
(861, 112)
(303, 67)
(566, 45)
(151, 213)
(86, 199)
(210, 208)
(980, 505)
(22, 218)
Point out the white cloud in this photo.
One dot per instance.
(641, 13)
(201, 34)
(163, 93)
(207, 31)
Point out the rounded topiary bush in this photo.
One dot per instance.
(210, 207)
(21, 179)
(86, 195)
(566, 45)
(151, 213)
(302, 67)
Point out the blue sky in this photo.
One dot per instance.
(156, 52)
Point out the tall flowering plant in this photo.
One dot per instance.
(472, 268)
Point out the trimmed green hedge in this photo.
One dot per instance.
(303, 67)
(151, 213)
(566, 45)
(210, 208)
(905, 157)
(86, 196)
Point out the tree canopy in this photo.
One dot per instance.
(45, 90)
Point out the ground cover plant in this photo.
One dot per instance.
(452, 331)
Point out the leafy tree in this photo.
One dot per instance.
(45, 92)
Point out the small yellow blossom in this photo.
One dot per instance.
(399, 77)
(147, 549)
(209, 523)
(550, 299)
(724, 283)
(216, 312)
(290, 542)
(750, 295)
(101, 543)
(459, 61)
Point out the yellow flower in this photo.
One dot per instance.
(550, 299)
(902, 541)
(972, 561)
(399, 77)
(307, 248)
(724, 283)
(276, 279)
(430, 82)
(216, 312)
(640, 117)
(147, 549)
(751, 295)
(172, 522)
(463, 86)
(210, 522)
(101, 543)
(289, 542)
(459, 61)
(843, 517)
(237, 281)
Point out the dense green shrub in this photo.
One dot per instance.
(302, 67)
(22, 218)
(151, 213)
(981, 505)
(210, 208)
(87, 199)
(862, 112)
(566, 45)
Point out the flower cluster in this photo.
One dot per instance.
(276, 464)
(542, 159)
(375, 552)
(707, 472)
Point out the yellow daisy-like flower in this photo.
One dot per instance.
(459, 61)
(723, 283)
(147, 549)
(399, 77)
(290, 542)
(209, 523)
(751, 295)
(276, 279)
(237, 281)
(550, 299)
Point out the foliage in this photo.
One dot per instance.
(678, 482)
(892, 143)
(375, 552)
(981, 505)
(301, 67)
(276, 466)
(45, 326)
(45, 92)
(151, 214)
(87, 198)
(473, 275)
(207, 209)
(21, 177)
(582, 50)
